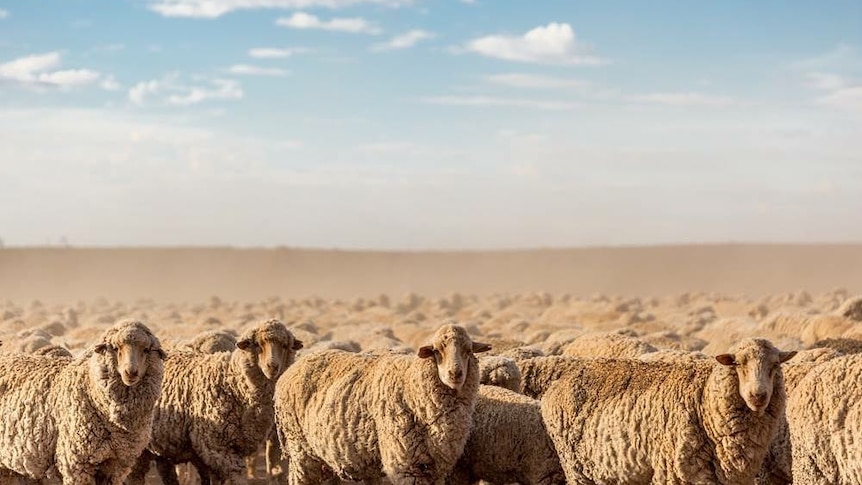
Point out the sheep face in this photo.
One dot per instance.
(130, 345)
(756, 363)
(452, 350)
(273, 347)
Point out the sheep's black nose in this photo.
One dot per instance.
(132, 374)
(457, 374)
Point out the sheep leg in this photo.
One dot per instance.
(305, 469)
(167, 472)
(273, 456)
(139, 470)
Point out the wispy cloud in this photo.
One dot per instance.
(41, 71)
(404, 41)
(306, 21)
(500, 102)
(171, 91)
(3, 14)
(836, 58)
(686, 99)
(839, 92)
(276, 52)
(217, 8)
(535, 81)
(554, 43)
(250, 70)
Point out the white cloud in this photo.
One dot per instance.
(826, 81)
(404, 41)
(217, 8)
(3, 14)
(250, 70)
(554, 43)
(302, 20)
(838, 57)
(685, 99)
(109, 83)
(41, 71)
(172, 92)
(847, 98)
(523, 80)
(490, 101)
(275, 52)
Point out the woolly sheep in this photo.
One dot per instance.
(53, 350)
(626, 421)
(851, 309)
(539, 373)
(404, 417)
(508, 443)
(216, 409)
(614, 345)
(776, 469)
(824, 414)
(213, 341)
(846, 346)
(500, 371)
(89, 418)
(810, 328)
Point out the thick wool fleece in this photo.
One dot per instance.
(215, 409)
(626, 421)
(76, 416)
(362, 416)
(508, 443)
(825, 419)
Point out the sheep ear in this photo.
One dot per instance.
(100, 348)
(160, 352)
(245, 344)
(785, 356)
(297, 344)
(480, 347)
(726, 359)
(425, 352)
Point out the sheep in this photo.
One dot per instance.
(846, 346)
(216, 409)
(404, 417)
(86, 419)
(825, 419)
(53, 350)
(809, 328)
(776, 469)
(213, 341)
(615, 345)
(539, 373)
(500, 371)
(508, 443)
(627, 421)
(851, 309)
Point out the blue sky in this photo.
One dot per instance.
(417, 124)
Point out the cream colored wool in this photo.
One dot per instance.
(363, 416)
(825, 419)
(539, 373)
(212, 341)
(216, 409)
(612, 345)
(777, 468)
(77, 417)
(500, 371)
(508, 443)
(633, 422)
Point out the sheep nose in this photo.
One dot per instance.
(273, 367)
(759, 397)
(456, 374)
(132, 374)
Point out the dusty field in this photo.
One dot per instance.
(690, 298)
(195, 274)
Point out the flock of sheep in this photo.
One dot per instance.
(531, 388)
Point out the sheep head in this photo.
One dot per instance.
(129, 344)
(272, 347)
(756, 362)
(452, 350)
